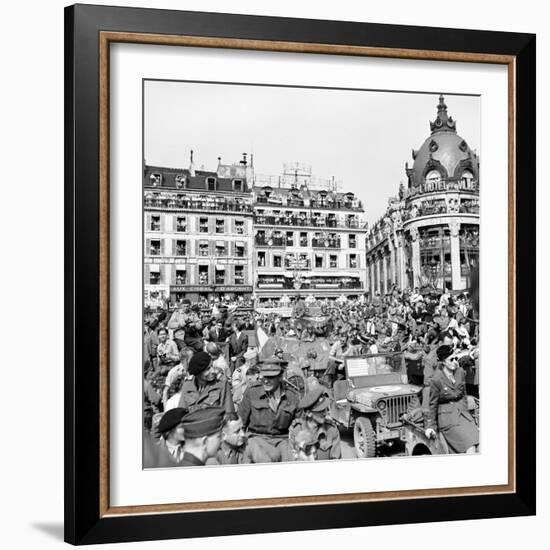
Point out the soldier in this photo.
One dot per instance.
(202, 429)
(304, 445)
(203, 388)
(267, 410)
(233, 447)
(315, 418)
(171, 429)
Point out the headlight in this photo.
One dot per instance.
(381, 405)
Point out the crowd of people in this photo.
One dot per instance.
(219, 389)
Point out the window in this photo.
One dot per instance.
(303, 239)
(156, 179)
(155, 223)
(318, 261)
(468, 178)
(154, 278)
(180, 182)
(289, 238)
(203, 225)
(203, 274)
(303, 261)
(352, 241)
(333, 261)
(221, 249)
(180, 248)
(238, 185)
(277, 261)
(181, 276)
(239, 227)
(181, 224)
(261, 259)
(353, 261)
(211, 184)
(220, 276)
(155, 248)
(220, 226)
(239, 275)
(433, 177)
(203, 249)
(239, 250)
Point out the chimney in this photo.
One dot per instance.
(191, 164)
(243, 162)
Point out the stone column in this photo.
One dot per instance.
(415, 256)
(393, 269)
(402, 262)
(379, 273)
(384, 274)
(454, 226)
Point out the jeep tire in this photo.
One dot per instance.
(364, 438)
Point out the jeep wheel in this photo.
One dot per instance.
(364, 438)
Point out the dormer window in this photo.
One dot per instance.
(211, 184)
(468, 178)
(156, 179)
(237, 185)
(433, 177)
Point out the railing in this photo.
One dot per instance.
(325, 243)
(302, 265)
(299, 203)
(327, 284)
(187, 204)
(306, 221)
(271, 241)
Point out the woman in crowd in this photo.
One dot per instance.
(448, 405)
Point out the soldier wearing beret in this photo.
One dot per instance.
(204, 388)
(316, 418)
(171, 429)
(267, 410)
(448, 411)
(202, 429)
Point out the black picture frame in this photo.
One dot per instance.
(84, 522)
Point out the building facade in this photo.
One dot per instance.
(309, 238)
(429, 235)
(198, 230)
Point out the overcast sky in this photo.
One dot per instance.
(362, 138)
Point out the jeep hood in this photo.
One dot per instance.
(374, 393)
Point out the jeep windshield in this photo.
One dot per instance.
(375, 370)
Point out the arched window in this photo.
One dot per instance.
(468, 178)
(433, 177)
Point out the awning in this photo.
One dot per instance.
(220, 267)
(220, 243)
(180, 267)
(203, 242)
(239, 243)
(155, 268)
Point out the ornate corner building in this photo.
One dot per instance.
(429, 235)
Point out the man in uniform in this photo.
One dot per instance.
(315, 418)
(233, 447)
(267, 410)
(203, 388)
(171, 429)
(202, 429)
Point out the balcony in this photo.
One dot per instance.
(271, 241)
(214, 204)
(315, 284)
(306, 221)
(325, 243)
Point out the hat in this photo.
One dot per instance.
(199, 362)
(443, 352)
(315, 399)
(272, 366)
(171, 418)
(203, 422)
(186, 301)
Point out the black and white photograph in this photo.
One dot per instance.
(310, 276)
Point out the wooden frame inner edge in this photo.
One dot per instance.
(105, 39)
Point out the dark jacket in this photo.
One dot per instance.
(214, 394)
(238, 347)
(259, 418)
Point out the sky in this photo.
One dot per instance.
(361, 137)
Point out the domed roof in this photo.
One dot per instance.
(444, 150)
